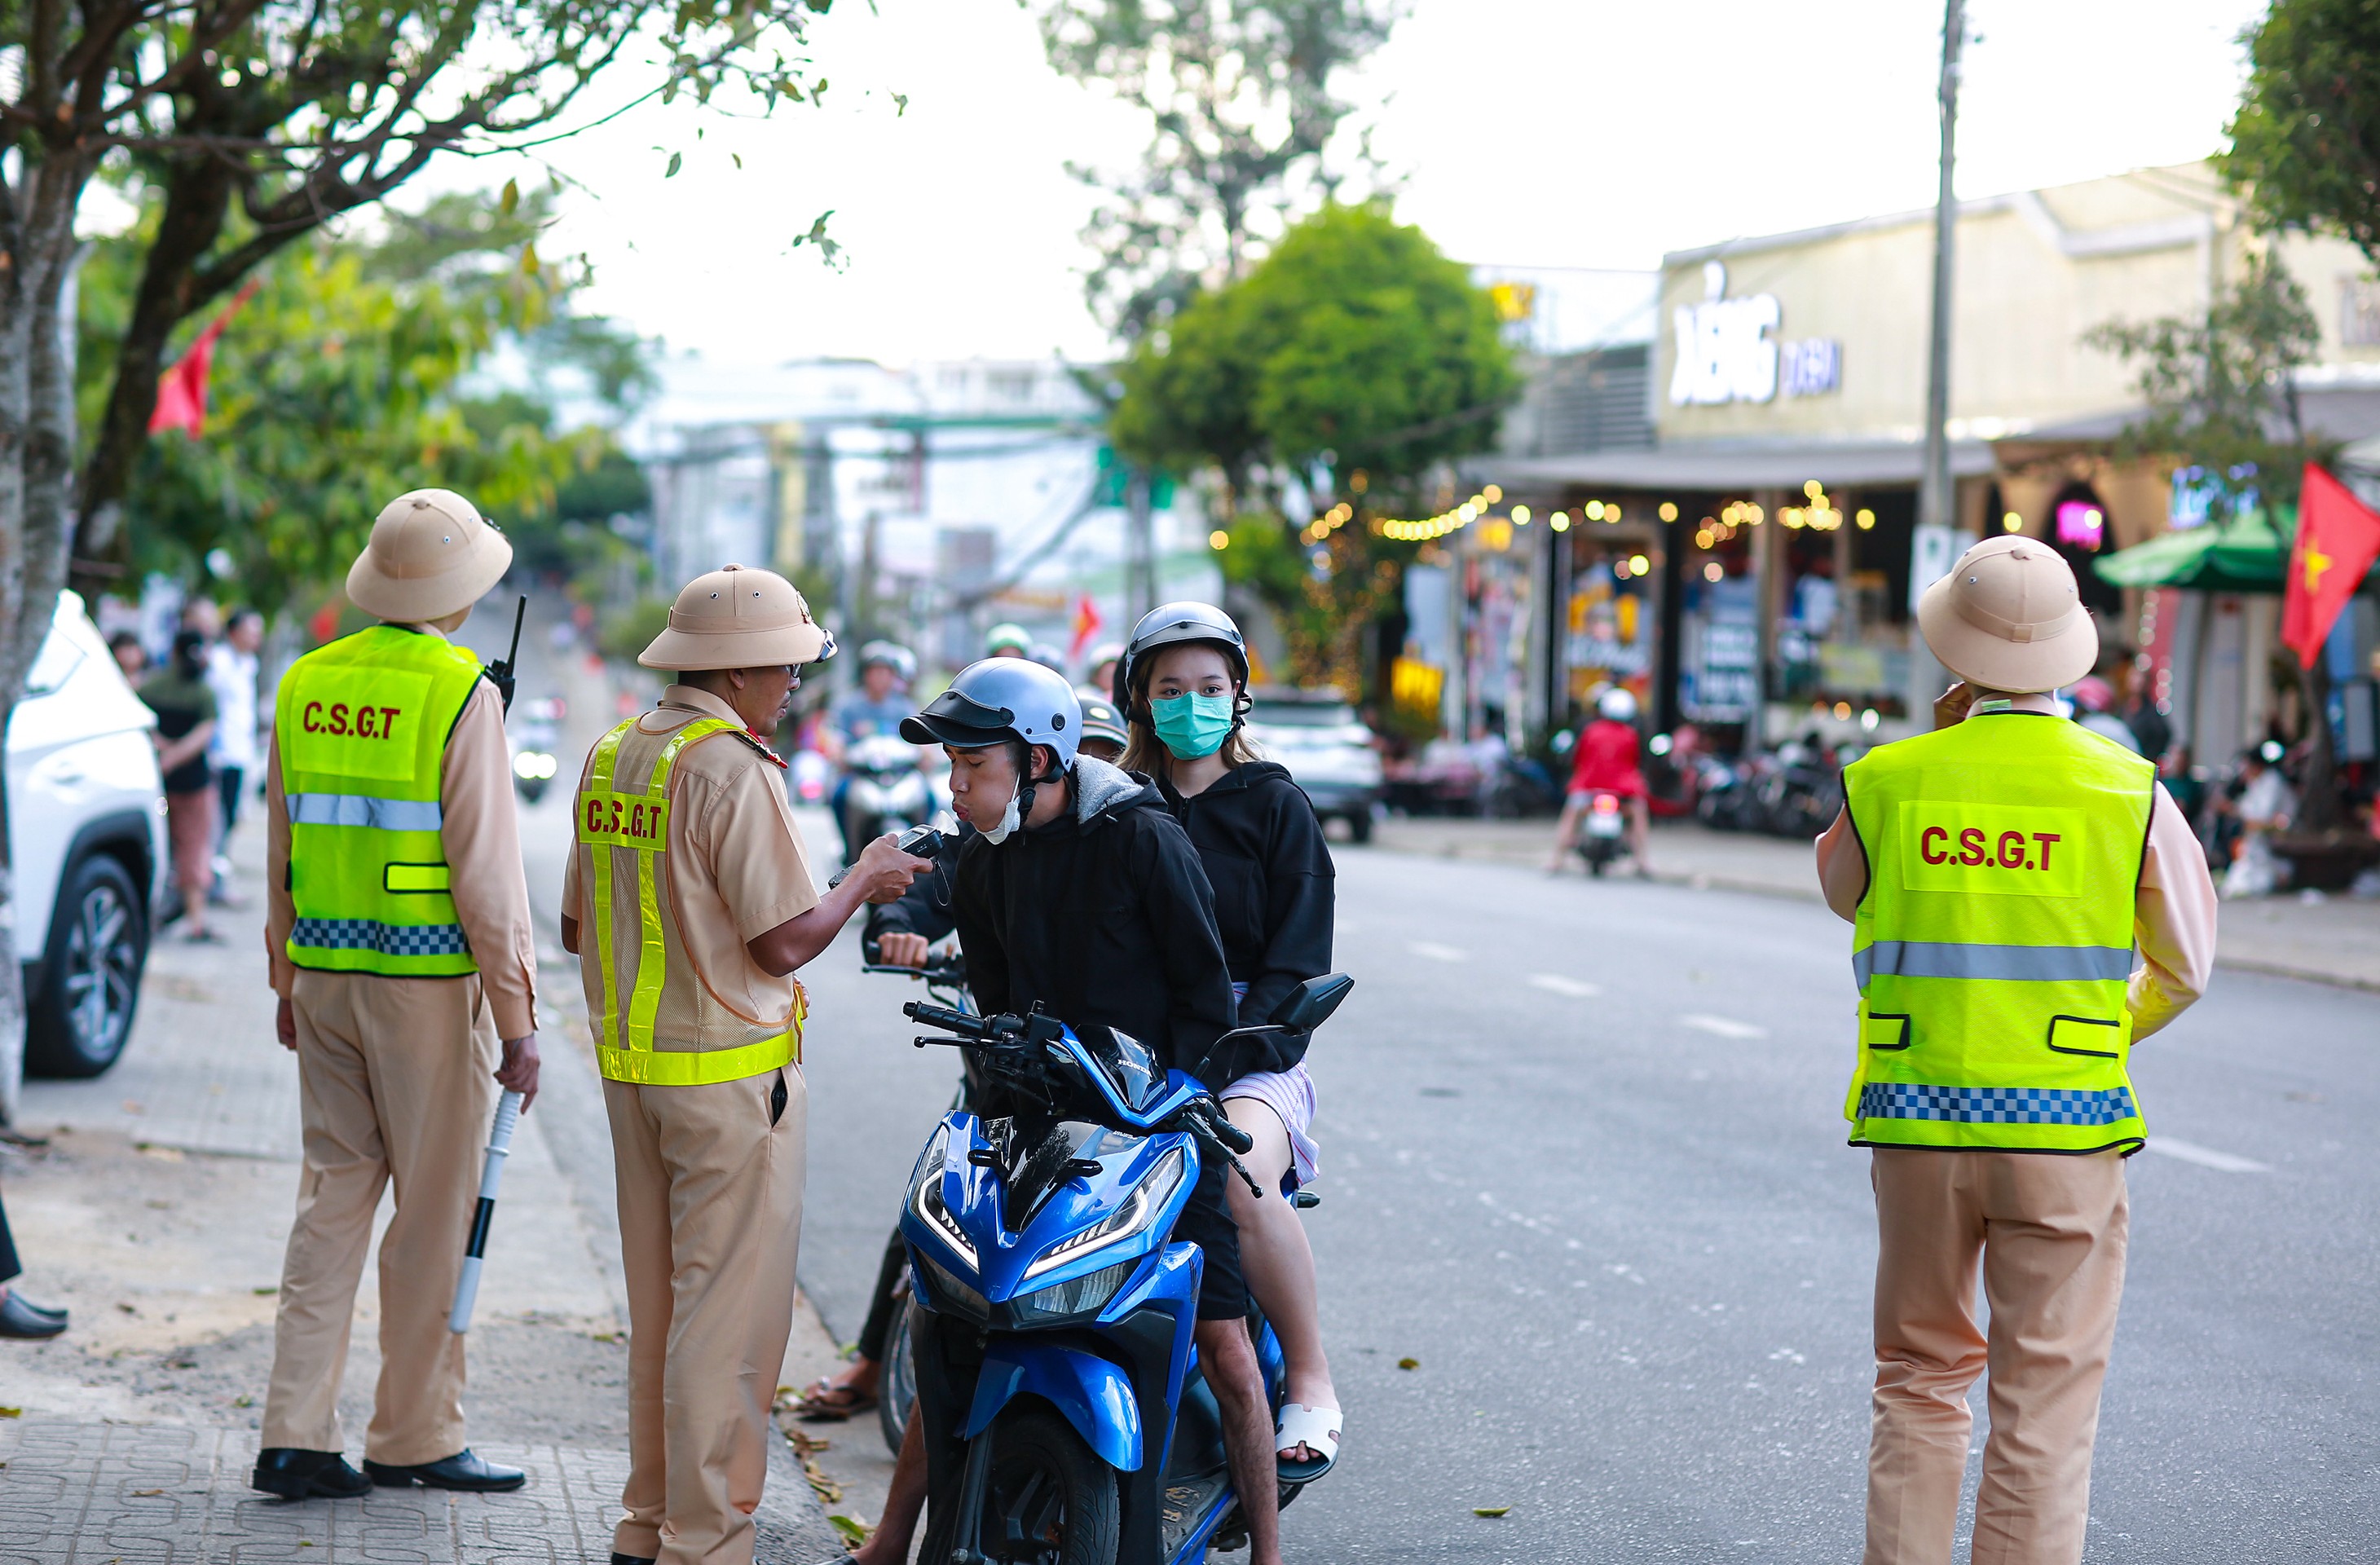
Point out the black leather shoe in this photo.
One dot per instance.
(464, 1471)
(306, 1474)
(18, 1318)
(619, 1558)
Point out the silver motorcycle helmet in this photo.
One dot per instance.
(997, 701)
(1175, 624)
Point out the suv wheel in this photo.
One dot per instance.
(90, 981)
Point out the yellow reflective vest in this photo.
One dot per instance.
(361, 726)
(623, 824)
(1994, 947)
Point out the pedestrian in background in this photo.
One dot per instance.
(19, 1316)
(698, 1023)
(1999, 874)
(131, 658)
(230, 675)
(398, 928)
(185, 706)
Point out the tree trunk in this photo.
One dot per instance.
(2318, 803)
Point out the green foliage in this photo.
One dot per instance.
(2306, 143)
(2218, 386)
(1242, 113)
(345, 380)
(1354, 350)
(624, 633)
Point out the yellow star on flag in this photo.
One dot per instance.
(2316, 562)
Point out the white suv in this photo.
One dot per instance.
(87, 837)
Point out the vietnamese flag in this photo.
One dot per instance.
(1087, 623)
(182, 390)
(2338, 537)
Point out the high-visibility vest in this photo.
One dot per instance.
(1994, 948)
(362, 726)
(623, 824)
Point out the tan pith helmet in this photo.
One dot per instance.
(2009, 617)
(430, 554)
(738, 617)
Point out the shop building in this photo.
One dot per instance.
(1750, 563)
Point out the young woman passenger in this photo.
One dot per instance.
(1186, 675)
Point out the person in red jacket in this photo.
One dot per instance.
(1608, 763)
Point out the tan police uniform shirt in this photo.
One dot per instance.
(480, 836)
(734, 869)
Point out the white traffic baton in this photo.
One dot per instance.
(500, 1147)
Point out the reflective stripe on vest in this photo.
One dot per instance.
(360, 727)
(637, 822)
(1993, 948)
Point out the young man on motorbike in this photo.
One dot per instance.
(1608, 763)
(875, 709)
(1185, 678)
(1080, 892)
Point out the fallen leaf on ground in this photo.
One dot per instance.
(12, 1412)
(1490, 1510)
(1408, 1364)
(851, 1527)
(264, 1292)
(144, 1494)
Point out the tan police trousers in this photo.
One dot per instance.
(711, 1218)
(2050, 1232)
(396, 1081)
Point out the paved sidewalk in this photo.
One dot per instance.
(2333, 940)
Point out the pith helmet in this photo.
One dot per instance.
(2009, 617)
(430, 554)
(738, 617)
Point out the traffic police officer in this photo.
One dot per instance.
(398, 929)
(2027, 904)
(689, 903)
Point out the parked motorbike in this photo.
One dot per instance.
(1727, 795)
(888, 792)
(1066, 1421)
(1601, 831)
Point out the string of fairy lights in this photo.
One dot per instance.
(1818, 513)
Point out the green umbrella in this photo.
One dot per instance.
(2245, 554)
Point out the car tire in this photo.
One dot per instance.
(90, 972)
(1359, 826)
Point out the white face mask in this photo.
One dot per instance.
(1008, 821)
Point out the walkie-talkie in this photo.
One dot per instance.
(499, 673)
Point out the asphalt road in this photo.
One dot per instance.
(1584, 1162)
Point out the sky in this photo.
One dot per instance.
(1584, 133)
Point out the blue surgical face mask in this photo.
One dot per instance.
(1192, 725)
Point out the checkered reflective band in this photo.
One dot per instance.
(370, 934)
(1997, 1105)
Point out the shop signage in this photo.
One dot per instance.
(1728, 350)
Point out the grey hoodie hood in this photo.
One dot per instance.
(1100, 788)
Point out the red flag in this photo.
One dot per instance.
(2338, 537)
(1087, 623)
(182, 390)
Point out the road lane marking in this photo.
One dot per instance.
(1723, 1025)
(1436, 952)
(2206, 1157)
(1573, 987)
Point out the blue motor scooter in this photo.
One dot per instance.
(1064, 1416)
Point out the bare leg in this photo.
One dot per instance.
(1640, 836)
(904, 1501)
(1566, 834)
(1280, 1263)
(1230, 1362)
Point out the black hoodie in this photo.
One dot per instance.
(1105, 918)
(1274, 885)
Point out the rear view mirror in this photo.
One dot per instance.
(1310, 1004)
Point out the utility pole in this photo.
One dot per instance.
(1936, 509)
(1139, 548)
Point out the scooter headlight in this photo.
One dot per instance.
(1074, 1297)
(926, 1199)
(1126, 1221)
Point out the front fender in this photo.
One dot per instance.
(1094, 1396)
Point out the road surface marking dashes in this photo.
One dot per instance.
(1436, 952)
(1574, 988)
(2206, 1157)
(1724, 1027)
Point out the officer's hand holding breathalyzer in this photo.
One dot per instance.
(884, 871)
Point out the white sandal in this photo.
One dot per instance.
(1316, 1428)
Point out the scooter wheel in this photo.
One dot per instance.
(1050, 1500)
